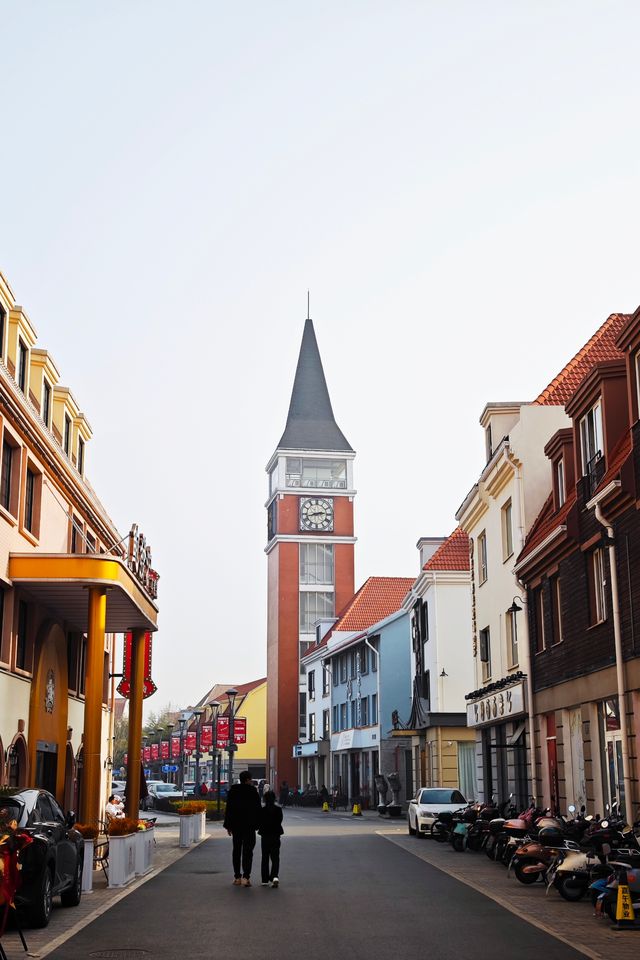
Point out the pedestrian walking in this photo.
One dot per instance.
(270, 831)
(241, 820)
(204, 790)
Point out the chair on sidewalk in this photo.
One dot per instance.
(101, 847)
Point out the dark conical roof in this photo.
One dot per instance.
(310, 423)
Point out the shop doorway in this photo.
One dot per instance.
(46, 766)
(613, 773)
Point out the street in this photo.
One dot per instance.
(346, 891)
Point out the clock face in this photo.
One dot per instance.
(316, 513)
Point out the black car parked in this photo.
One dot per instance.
(52, 864)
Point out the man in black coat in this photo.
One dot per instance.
(241, 821)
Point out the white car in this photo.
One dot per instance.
(163, 791)
(426, 805)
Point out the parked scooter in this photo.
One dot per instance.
(555, 835)
(605, 890)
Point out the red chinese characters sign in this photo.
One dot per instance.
(175, 747)
(239, 730)
(124, 687)
(164, 749)
(190, 741)
(155, 751)
(147, 754)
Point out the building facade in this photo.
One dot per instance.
(439, 606)
(310, 561)
(58, 551)
(579, 566)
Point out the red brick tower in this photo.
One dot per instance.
(309, 549)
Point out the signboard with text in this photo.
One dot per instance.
(496, 707)
(155, 751)
(239, 731)
(164, 749)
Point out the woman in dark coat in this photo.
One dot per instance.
(270, 830)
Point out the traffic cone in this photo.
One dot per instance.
(356, 812)
(325, 807)
(625, 915)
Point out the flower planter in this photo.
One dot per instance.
(186, 830)
(198, 826)
(87, 866)
(144, 851)
(122, 859)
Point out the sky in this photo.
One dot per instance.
(456, 184)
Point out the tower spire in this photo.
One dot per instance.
(311, 424)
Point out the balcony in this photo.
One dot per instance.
(316, 483)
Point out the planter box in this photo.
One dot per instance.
(145, 841)
(122, 860)
(198, 826)
(186, 830)
(87, 866)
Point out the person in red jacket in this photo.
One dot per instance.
(241, 821)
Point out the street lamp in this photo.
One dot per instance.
(197, 714)
(170, 727)
(158, 733)
(215, 709)
(183, 720)
(514, 609)
(231, 694)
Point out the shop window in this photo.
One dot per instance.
(597, 586)
(485, 653)
(482, 557)
(21, 636)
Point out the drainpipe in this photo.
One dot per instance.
(526, 654)
(617, 635)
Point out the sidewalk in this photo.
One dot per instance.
(574, 923)
(66, 921)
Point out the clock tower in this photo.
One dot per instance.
(309, 550)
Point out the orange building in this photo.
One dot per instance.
(309, 551)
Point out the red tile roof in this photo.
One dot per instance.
(546, 522)
(377, 598)
(453, 554)
(601, 346)
(618, 456)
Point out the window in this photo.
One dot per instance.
(273, 480)
(334, 672)
(488, 442)
(325, 725)
(23, 356)
(364, 712)
(343, 668)
(354, 713)
(311, 685)
(29, 500)
(374, 708)
(556, 611)
(311, 728)
(597, 586)
(353, 664)
(80, 463)
(512, 637)
(303, 711)
(316, 563)
(91, 543)
(507, 531)
(482, 557)
(364, 658)
(426, 687)
(5, 478)
(560, 482)
(46, 403)
(336, 718)
(374, 656)
(303, 472)
(485, 653)
(538, 613)
(21, 637)
(314, 605)
(591, 437)
(325, 680)
(343, 716)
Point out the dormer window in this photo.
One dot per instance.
(46, 403)
(23, 359)
(591, 438)
(80, 456)
(67, 434)
(561, 493)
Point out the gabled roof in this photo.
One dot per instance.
(545, 523)
(310, 422)
(453, 554)
(219, 691)
(601, 346)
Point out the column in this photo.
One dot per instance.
(134, 767)
(94, 678)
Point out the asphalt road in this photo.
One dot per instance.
(345, 892)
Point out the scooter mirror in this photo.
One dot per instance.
(572, 808)
(589, 817)
(604, 824)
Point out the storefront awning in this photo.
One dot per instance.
(59, 581)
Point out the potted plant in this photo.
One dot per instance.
(89, 835)
(192, 821)
(145, 839)
(122, 851)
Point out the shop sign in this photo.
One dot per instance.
(155, 751)
(147, 754)
(345, 740)
(305, 750)
(190, 740)
(206, 736)
(496, 707)
(175, 746)
(239, 731)
(124, 687)
(139, 561)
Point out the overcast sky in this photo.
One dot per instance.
(456, 183)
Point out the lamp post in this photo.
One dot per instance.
(197, 714)
(158, 733)
(183, 719)
(170, 727)
(231, 694)
(217, 753)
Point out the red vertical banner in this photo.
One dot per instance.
(147, 754)
(164, 749)
(206, 736)
(190, 741)
(223, 731)
(240, 730)
(155, 751)
(175, 747)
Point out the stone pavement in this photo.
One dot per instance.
(66, 921)
(574, 923)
